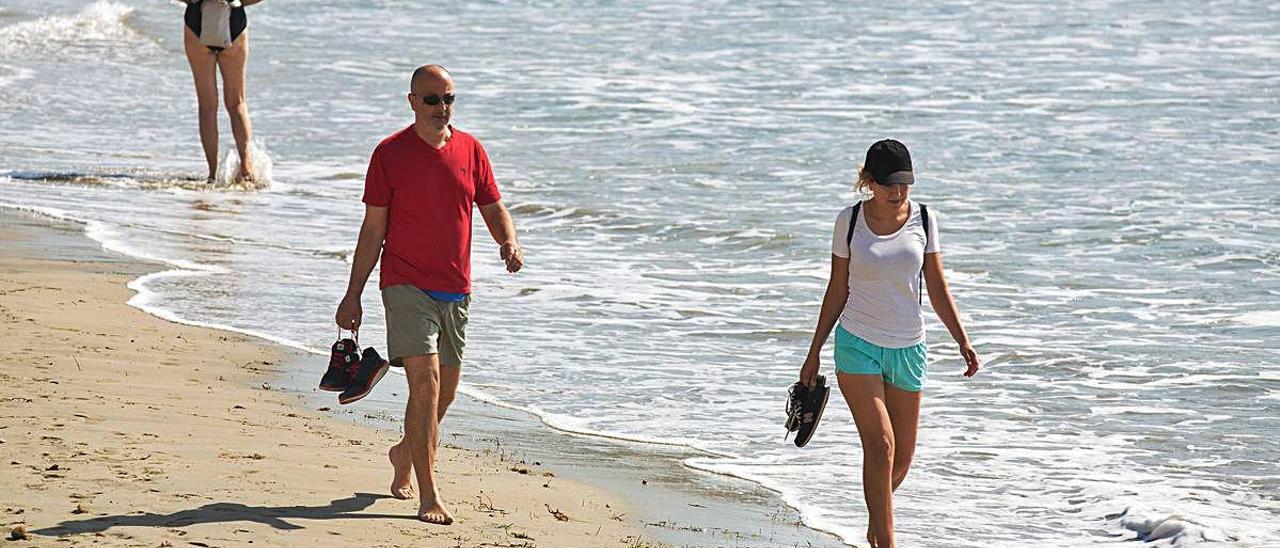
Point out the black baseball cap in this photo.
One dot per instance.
(889, 163)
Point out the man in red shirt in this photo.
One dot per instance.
(419, 191)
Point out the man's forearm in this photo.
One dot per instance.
(506, 233)
(500, 225)
(366, 257)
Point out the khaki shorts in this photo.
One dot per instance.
(418, 325)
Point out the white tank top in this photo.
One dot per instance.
(884, 278)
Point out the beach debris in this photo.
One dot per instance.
(676, 526)
(644, 482)
(560, 516)
(18, 532)
(521, 535)
(51, 468)
(80, 509)
(548, 475)
(520, 469)
(324, 409)
(251, 456)
(487, 505)
(237, 406)
(266, 386)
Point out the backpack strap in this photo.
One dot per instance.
(924, 220)
(853, 221)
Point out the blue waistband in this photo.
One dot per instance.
(446, 296)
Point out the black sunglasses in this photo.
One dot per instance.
(434, 100)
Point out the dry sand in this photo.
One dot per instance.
(118, 428)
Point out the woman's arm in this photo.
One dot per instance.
(832, 304)
(945, 307)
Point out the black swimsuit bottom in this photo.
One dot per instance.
(238, 21)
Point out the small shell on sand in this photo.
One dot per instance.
(18, 532)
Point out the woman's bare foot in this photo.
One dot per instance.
(246, 174)
(871, 535)
(402, 473)
(433, 511)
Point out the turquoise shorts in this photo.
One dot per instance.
(904, 368)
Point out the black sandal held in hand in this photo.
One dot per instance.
(804, 409)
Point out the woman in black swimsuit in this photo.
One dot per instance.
(206, 62)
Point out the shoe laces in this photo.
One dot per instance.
(353, 363)
(794, 404)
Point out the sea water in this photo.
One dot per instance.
(1103, 175)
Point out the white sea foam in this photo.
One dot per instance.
(11, 74)
(228, 176)
(100, 27)
(1269, 318)
(1170, 529)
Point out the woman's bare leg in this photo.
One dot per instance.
(865, 396)
(904, 413)
(204, 71)
(231, 62)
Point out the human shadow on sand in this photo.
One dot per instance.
(219, 512)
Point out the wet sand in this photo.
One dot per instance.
(119, 428)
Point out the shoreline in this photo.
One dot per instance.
(121, 428)
(665, 501)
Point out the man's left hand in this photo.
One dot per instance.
(513, 255)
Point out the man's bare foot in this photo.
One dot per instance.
(434, 512)
(402, 473)
(871, 535)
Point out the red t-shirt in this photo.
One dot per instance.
(430, 195)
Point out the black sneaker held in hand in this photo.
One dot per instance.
(804, 408)
(343, 357)
(367, 374)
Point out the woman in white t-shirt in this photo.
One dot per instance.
(874, 294)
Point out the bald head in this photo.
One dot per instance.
(429, 74)
(431, 98)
